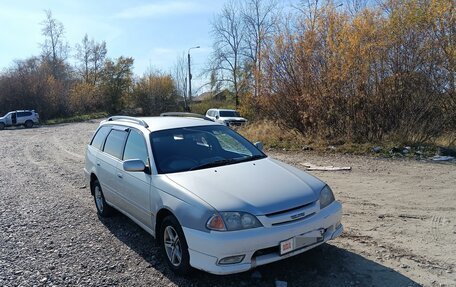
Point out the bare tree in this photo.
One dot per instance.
(91, 56)
(355, 6)
(84, 51)
(98, 57)
(228, 32)
(260, 19)
(54, 48)
(310, 9)
(180, 77)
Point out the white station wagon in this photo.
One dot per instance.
(213, 200)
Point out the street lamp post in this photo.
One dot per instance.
(190, 74)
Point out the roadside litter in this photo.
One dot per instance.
(312, 167)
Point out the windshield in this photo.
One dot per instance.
(227, 114)
(193, 148)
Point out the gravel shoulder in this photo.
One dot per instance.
(399, 217)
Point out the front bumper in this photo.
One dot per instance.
(259, 245)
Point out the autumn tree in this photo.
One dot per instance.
(155, 93)
(116, 82)
(363, 75)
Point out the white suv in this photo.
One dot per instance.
(213, 200)
(25, 118)
(230, 118)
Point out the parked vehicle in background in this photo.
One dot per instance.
(230, 118)
(213, 200)
(26, 118)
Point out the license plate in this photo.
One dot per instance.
(297, 242)
(287, 246)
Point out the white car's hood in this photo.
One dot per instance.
(258, 187)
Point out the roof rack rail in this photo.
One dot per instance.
(186, 115)
(129, 119)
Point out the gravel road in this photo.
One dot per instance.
(400, 219)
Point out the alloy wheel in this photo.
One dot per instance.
(173, 246)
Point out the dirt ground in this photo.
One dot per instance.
(399, 217)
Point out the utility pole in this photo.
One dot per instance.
(190, 74)
(186, 108)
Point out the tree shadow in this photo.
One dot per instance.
(326, 265)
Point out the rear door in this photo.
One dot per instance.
(108, 164)
(22, 117)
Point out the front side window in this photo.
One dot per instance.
(99, 138)
(136, 148)
(192, 148)
(115, 143)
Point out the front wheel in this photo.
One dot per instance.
(2, 126)
(28, 124)
(174, 246)
(103, 209)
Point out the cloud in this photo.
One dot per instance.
(160, 9)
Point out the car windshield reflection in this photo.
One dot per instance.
(194, 148)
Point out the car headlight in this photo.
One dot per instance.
(230, 221)
(326, 197)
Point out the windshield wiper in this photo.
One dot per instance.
(253, 157)
(226, 162)
(215, 163)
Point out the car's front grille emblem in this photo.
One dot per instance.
(297, 216)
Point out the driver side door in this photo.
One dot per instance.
(8, 119)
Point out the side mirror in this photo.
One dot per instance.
(134, 165)
(217, 117)
(259, 145)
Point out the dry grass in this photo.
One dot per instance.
(273, 136)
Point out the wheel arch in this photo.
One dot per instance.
(161, 215)
(93, 178)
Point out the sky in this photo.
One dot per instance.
(153, 32)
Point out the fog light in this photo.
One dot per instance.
(231, 259)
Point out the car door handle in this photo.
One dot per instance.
(98, 164)
(119, 175)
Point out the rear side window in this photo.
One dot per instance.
(115, 143)
(136, 148)
(24, 114)
(100, 137)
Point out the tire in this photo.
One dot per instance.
(173, 243)
(28, 124)
(103, 209)
(2, 126)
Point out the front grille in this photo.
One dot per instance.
(294, 214)
(291, 220)
(236, 123)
